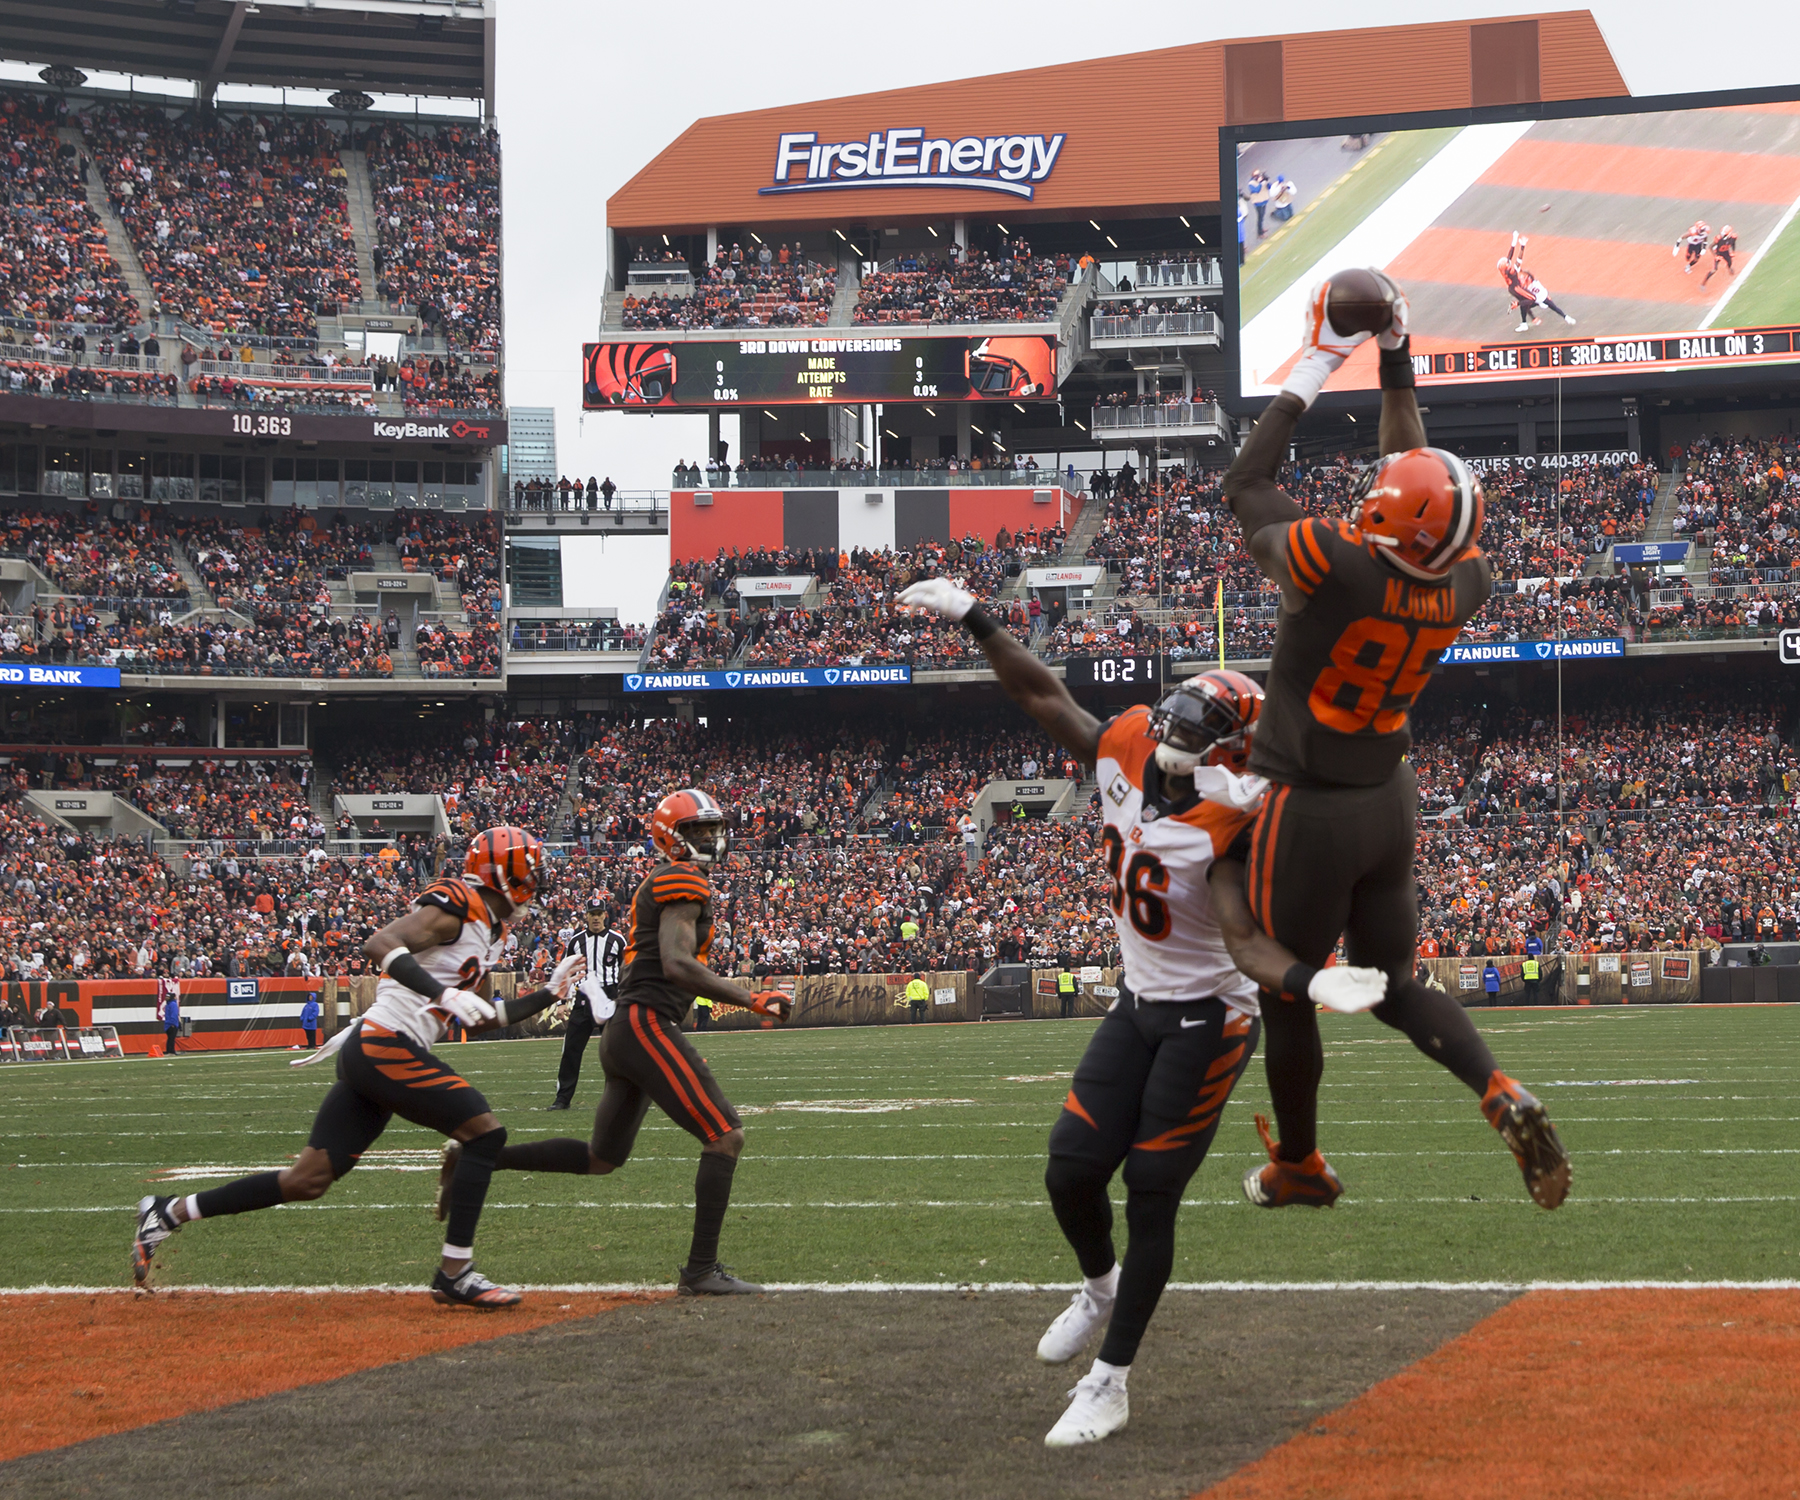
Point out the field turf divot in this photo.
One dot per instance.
(79, 1368)
(1572, 1394)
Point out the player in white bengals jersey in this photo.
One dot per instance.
(431, 961)
(1152, 1085)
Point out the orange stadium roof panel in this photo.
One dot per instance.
(1107, 165)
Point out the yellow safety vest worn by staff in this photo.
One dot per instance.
(917, 992)
(1065, 983)
(1529, 969)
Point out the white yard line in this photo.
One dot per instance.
(1268, 339)
(1750, 265)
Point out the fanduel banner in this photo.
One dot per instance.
(765, 677)
(1650, 552)
(1485, 651)
(83, 677)
(904, 158)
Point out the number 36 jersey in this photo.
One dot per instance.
(1348, 666)
(1158, 856)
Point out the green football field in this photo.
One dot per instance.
(906, 1154)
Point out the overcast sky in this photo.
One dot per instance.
(589, 93)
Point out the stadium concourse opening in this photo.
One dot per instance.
(292, 611)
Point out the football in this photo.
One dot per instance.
(1360, 301)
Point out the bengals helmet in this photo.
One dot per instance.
(1206, 721)
(629, 375)
(507, 860)
(1422, 511)
(689, 825)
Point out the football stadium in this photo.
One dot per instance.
(1153, 670)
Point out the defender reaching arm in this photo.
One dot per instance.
(1027, 681)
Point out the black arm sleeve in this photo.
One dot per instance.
(521, 1007)
(408, 971)
(1250, 488)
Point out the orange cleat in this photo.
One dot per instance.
(1282, 1184)
(1524, 1124)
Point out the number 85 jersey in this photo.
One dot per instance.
(1158, 855)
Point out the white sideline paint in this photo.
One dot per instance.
(1750, 265)
(1269, 338)
(627, 1288)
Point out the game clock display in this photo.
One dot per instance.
(1114, 671)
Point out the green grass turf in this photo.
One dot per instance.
(1772, 294)
(1369, 183)
(1672, 1180)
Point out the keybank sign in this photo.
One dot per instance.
(904, 158)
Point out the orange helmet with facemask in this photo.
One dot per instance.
(1422, 511)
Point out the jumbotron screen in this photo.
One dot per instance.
(784, 366)
(1614, 243)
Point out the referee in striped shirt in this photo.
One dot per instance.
(604, 950)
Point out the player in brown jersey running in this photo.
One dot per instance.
(642, 1052)
(1366, 610)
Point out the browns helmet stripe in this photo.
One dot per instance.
(1463, 512)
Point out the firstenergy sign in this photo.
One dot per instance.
(904, 158)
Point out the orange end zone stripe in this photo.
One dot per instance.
(1646, 172)
(73, 1370)
(1653, 1392)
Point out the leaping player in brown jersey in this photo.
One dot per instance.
(1367, 608)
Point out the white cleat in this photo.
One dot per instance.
(1523, 328)
(1567, 319)
(1098, 1407)
(1074, 1328)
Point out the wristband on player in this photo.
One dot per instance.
(1396, 367)
(1297, 981)
(523, 1007)
(401, 967)
(979, 623)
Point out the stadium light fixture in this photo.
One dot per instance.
(1001, 227)
(890, 432)
(1019, 409)
(755, 236)
(929, 412)
(1199, 236)
(931, 231)
(1111, 241)
(770, 415)
(1097, 228)
(1184, 222)
(665, 240)
(1079, 426)
(841, 235)
(981, 430)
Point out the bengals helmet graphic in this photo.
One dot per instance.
(629, 375)
(1012, 368)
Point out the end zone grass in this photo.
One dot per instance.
(914, 1154)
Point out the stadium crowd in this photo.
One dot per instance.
(1009, 286)
(437, 228)
(240, 222)
(55, 266)
(1677, 830)
(762, 287)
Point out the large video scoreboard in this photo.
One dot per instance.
(789, 367)
(1636, 237)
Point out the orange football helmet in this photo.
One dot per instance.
(689, 825)
(1208, 720)
(507, 860)
(1422, 511)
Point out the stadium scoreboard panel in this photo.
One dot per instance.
(1647, 239)
(795, 368)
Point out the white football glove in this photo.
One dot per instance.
(1396, 334)
(940, 596)
(566, 975)
(1216, 784)
(1346, 989)
(467, 1007)
(1322, 349)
